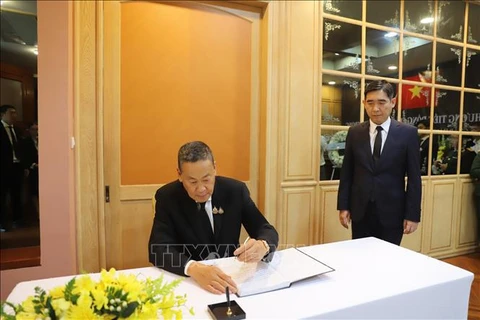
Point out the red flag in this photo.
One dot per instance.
(415, 96)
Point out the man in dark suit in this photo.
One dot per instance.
(199, 217)
(11, 168)
(378, 155)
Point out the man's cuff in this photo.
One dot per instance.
(185, 270)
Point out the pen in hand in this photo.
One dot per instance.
(244, 244)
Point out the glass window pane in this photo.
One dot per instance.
(382, 53)
(340, 100)
(447, 110)
(419, 16)
(470, 146)
(471, 112)
(451, 18)
(332, 146)
(342, 46)
(390, 16)
(472, 67)
(417, 59)
(425, 145)
(11, 93)
(449, 64)
(447, 156)
(349, 9)
(473, 35)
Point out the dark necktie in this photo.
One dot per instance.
(204, 219)
(378, 144)
(12, 134)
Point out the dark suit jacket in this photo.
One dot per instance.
(179, 235)
(475, 174)
(360, 177)
(6, 155)
(28, 152)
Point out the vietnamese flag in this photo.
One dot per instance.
(415, 96)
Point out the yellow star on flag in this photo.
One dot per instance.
(415, 91)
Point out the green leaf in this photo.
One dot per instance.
(129, 310)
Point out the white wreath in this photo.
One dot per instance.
(336, 143)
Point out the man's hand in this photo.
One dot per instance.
(409, 226)
(344, 216)
(211, 278)
(252, 251)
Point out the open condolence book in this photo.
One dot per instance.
(288, 266)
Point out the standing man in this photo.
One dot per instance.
(12, 172)
(199, 217)
(29, 152)
(379, 153)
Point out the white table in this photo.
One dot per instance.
(372, 280)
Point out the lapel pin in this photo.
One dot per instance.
(220, 210)
(215, 210)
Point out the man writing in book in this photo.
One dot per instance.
(379, 153)
(199, 217)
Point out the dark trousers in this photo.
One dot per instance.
(12, 184)
(370, 226)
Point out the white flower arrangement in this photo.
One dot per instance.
(337, 143)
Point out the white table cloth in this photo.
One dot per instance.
(373, 279)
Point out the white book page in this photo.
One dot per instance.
(251, 278)
(294, 265)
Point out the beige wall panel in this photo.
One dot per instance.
(297, 220)
(442, 214)
(138, 218)
(90, 247)
(331, 230)
(414, 241)
(301, 133)
(468, 221)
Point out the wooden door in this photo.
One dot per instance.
(173, 72)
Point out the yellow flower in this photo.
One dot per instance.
(108, 276)
(148, 311)
(168, 301)
(129, 283)
(91, 299)
(83, 285)
(28, 310)
(83, 309)
(100, 299)
(26, 316)
(57, 292)
(61, 306)
(28, 305)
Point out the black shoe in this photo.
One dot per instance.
(2, 229)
